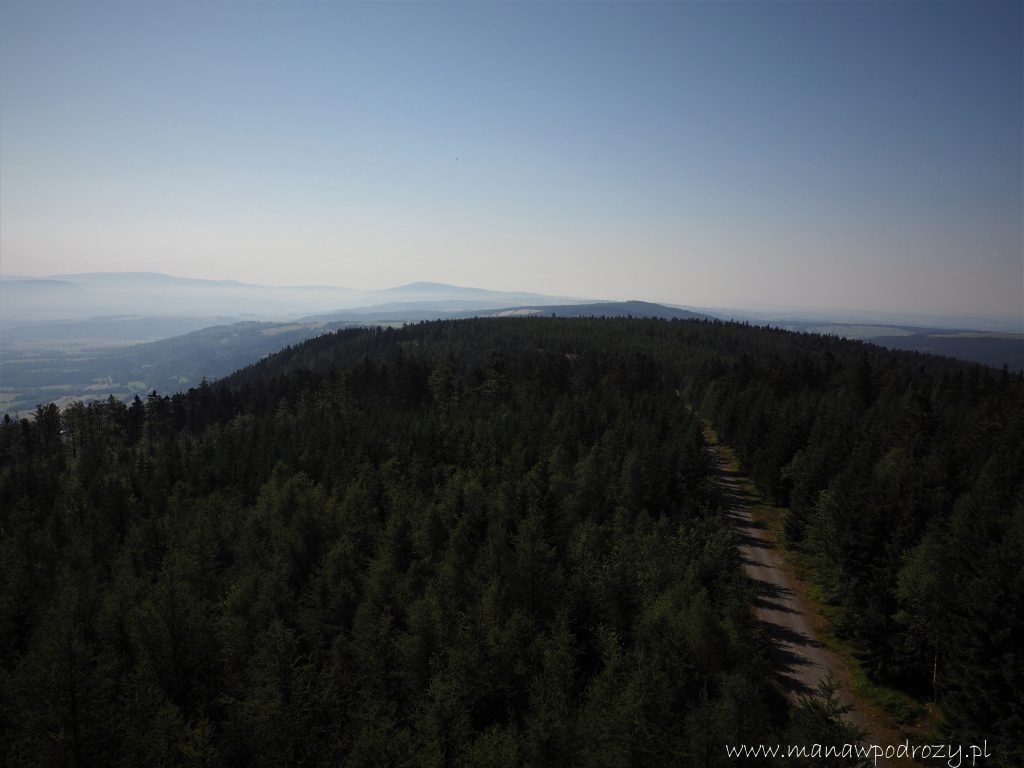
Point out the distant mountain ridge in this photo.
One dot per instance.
(603, 309)
(28, 300)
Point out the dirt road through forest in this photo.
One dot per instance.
(801, 660)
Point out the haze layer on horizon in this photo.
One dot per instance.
(848, 155)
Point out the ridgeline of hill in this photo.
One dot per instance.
(90, 360)
(498, 541)
(122, 355)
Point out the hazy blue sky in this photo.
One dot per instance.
(863, 155)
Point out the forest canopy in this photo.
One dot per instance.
(500, 542)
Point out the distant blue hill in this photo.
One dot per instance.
(29, 301)
(994, 349)
(600, 309)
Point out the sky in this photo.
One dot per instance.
(859, 155)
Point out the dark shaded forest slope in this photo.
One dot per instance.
(498, 542)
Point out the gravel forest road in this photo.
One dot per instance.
(801, 660)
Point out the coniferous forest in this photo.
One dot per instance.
(501, 542)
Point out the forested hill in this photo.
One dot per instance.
(498, 542)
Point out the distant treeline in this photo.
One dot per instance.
(499, 542)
